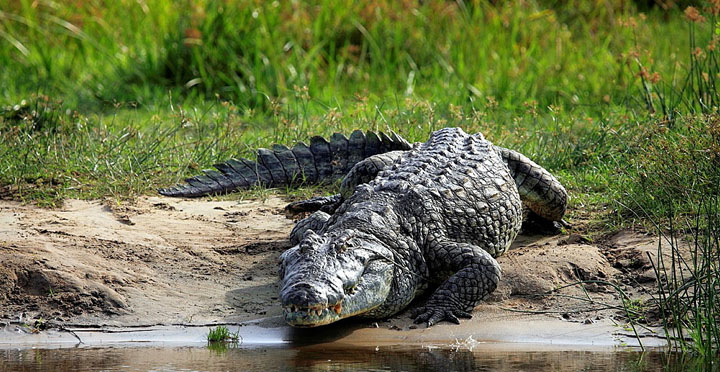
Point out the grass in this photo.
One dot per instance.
(115, 99)
(688, 284)
(221, 334)
(103, 110)
(673, 168)
(92, 54)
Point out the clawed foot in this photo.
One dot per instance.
(432, 314)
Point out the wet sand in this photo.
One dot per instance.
(530, 333)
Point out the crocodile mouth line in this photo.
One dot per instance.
(315, 310)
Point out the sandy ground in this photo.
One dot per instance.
(163, 261)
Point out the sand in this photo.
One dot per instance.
(164, 262)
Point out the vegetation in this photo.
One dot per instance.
(689, 286)
(115, 99)
(221, 334)
(104, 110)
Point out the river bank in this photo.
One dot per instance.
(173, 265)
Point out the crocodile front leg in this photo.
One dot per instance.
(327, 204)
(474, 274)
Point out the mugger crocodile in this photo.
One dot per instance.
(409, 219)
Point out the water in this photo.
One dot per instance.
(345, 347)
(324, 358)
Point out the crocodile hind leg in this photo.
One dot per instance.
(474, 275)
(539, 190)
(315, 222)
(362, 172)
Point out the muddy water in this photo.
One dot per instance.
(327, 359)
(342, 347)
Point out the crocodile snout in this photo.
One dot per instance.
(308, 295)
(303, 295)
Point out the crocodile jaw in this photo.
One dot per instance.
(370, 292)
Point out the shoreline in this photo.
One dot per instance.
(164, 261)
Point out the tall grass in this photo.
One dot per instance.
(689, 286)
(124, 96)
(690, 88)
(670, 168)
(255, 52)
(672, 181)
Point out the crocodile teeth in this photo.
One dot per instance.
(318, 310)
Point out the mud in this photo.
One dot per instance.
(164, 261)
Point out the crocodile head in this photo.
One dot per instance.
(334, 276)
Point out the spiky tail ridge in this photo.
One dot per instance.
(539, 190)
(321, 162)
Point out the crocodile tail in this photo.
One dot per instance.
(322, 161)
(538, 189)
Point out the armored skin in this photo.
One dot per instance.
(431, 217)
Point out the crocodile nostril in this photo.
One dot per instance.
(303, 295)
(335, 297)
(350, 289)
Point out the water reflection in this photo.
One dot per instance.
(323, 358)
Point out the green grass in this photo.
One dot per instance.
(688, 284)
(255, 52)
(221, 334)
(118, 99)
(128, 153)
(672, 169)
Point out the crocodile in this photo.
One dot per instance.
(411, 219)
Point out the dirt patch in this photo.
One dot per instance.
(171, 261)
(156, 261)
